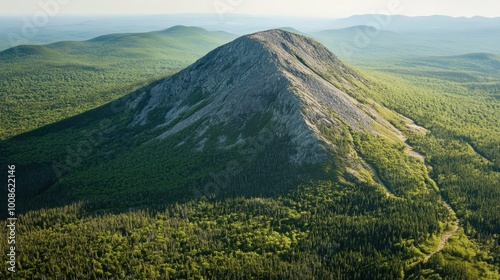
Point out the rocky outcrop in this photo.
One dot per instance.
(290, 78)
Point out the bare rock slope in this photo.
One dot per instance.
(292, 80)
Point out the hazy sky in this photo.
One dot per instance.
(322, 8)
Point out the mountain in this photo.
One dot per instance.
(274, 82)
(266, 158)
(370, 40)
(63, 79)
(16, 30)
(363, 44)
(293, 30)
(366, 46)
(400, 23)
(295, 83)
(484, 63)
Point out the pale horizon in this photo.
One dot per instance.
(282, 8)
(248, 15)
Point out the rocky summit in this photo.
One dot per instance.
(286, 81)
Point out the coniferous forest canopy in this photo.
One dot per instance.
(99, 198)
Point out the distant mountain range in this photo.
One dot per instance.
(420, 23)
(64, 28)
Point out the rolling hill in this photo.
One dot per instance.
(370, 40)
(44, 84)
(363, 44)
(401, 23)
(485, 65)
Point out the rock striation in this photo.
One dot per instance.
(292, 80)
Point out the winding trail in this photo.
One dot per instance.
(410, 124)
(446, 235)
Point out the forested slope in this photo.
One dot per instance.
(44, 84)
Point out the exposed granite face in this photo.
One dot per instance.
(272, 73)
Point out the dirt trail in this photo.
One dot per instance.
(410, 124)
(411, 152)
(447, 235)
(443, 239)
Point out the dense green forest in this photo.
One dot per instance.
(240, 227)
(127, 207)
(44, 84)
(463, 146)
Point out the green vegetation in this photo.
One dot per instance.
(234, 237)
(129, 206)
(403, 175)
(248, 219)
(462, 148)
(460, 259)
(44, 84)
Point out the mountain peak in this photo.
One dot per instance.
(183, 28)
(267, 79)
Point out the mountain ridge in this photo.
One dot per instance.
(297, 77)
(272, 82)
(270, 135)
